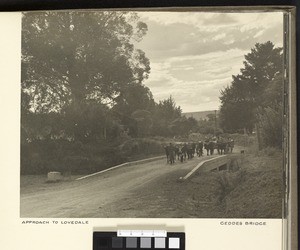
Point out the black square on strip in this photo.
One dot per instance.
(102, 243)
(117, 242)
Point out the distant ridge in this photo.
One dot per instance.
(200, 115)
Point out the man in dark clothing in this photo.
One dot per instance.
(167, 152)
(184, 150)
(200, 148)
(171, 153)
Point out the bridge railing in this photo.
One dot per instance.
(215, 163)
(126, 164)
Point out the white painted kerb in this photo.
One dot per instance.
(121, 165)
(198, 166)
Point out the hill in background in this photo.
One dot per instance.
(200, 115)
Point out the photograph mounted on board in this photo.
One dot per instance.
(152, 114)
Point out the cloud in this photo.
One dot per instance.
(210, 67)
(219, 19)
(219, 36)
(215, 21)
(193, 55)
(193, 80)
(180, 40)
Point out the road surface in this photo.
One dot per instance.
(145, 190)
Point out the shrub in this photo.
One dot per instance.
(40, 157)
(228, 181)
(269, 151)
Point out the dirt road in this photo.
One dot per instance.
(145, 190)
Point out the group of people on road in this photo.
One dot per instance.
(222, 144)
(183, 151)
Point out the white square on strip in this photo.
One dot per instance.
(159, 243)
(174, 243)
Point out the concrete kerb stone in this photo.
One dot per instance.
(199, 165)
(131, 163)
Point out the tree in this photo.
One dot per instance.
(241, 100)
(143, 119)
(183, 126)
(70, 57)
(165, 113)
(237, 111)
(167, 109)
(270, 115)
(134, 97)
(261, 66)
(90, 122)
(74, 61)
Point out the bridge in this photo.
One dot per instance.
(215, 164)
(136, 189)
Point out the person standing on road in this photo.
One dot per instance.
(172, 153)
(184, 150)
(167, 152)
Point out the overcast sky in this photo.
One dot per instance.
(194, 55)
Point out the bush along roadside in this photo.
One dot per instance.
(253, 188)
(41, 157)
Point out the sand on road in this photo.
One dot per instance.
(144, 190)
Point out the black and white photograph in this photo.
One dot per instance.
(152, 114)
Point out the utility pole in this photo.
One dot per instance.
(215, 130)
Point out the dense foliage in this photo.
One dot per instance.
(254, 98)
(83, 94)
(84, 106)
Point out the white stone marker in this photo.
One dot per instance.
(54, 176)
